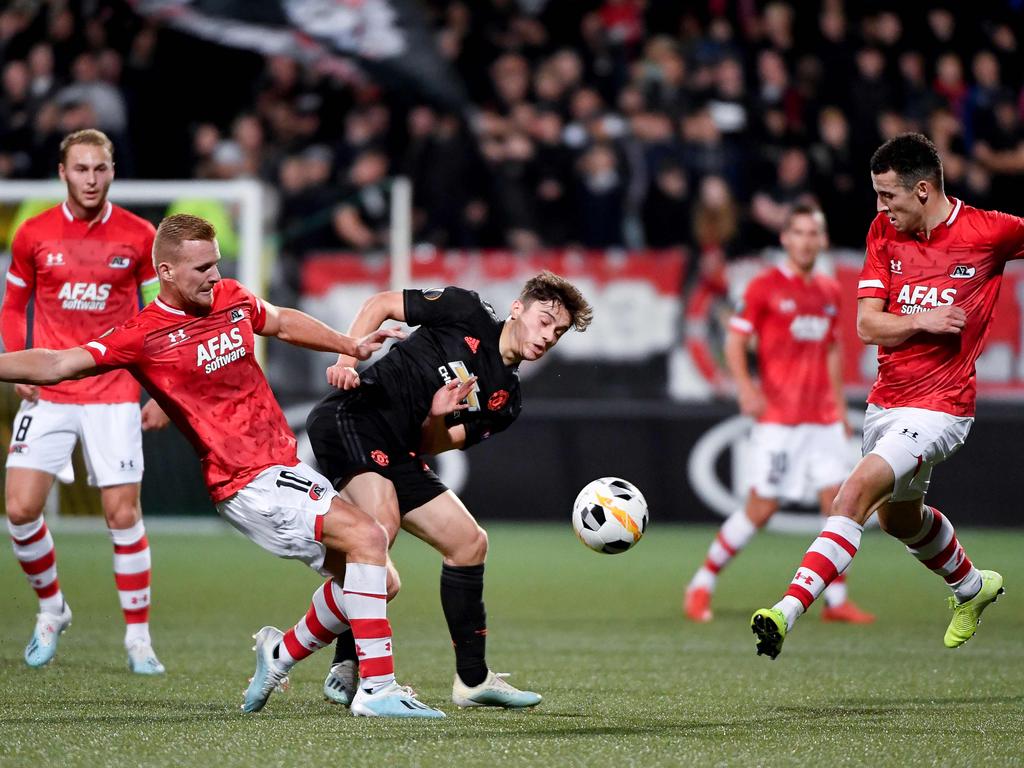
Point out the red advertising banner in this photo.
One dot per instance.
(642, 312)
(636, 295)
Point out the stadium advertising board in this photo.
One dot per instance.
(653, 335)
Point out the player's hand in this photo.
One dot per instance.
(29, 392)
(949, 319)
(153, 417)
(451, 397)
(341, 376)
(371, 342)
(751, 401)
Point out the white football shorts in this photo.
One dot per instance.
(44, 435)
(793, 462)
(912, 441)
(283, 510)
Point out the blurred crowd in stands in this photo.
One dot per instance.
(600, 123)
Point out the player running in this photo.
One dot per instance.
(192, 349)
(800, 436)
(83, 266)
(453, 383)
(930, 280)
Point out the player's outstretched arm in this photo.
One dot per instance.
(877, 326)
(389, 305)
(46, 366)
(302, 330)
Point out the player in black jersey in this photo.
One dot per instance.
(452, 383)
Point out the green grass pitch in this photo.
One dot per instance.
(626, 681)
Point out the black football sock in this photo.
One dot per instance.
(462, 599)
(345, 648)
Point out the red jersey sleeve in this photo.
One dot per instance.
(833, 328)
(21, 279)
(875, 275)
(118, 347)
(257, 310)
(1010, 235)
(145, 274)
(747, 319)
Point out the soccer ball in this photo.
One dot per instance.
(610, 515)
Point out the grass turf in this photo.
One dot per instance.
(626, 681)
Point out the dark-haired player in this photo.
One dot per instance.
(451, 384)
(930, 281)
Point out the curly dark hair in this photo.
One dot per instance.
(547, 286)
(912, 156)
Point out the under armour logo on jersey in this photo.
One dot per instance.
(236, 315)
(896, 266)
(178, 336)
(55, 259)
(805, 579)
(787, 306)
(912, 435)
(473, 344)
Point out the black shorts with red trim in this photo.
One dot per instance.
(349, 437)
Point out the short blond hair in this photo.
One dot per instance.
(88, 136)
(175, 230)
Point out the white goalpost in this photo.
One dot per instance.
(246, 194)
(250, 205)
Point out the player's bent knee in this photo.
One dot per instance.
(20, 513)
(348, 529)
(473, 550)
(123, 517)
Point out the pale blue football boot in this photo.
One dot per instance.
(393, 700)
(340, 683)
(43, 646)
(269, 675)
(142, 660)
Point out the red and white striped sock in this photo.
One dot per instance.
(364, 602)
(323, 622)
(132, 564)
(828, 556)
(937, 547)
(836, 593)
(33, 547)
(735, 533)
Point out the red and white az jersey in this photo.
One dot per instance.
(202, 371)
(82, 277)
(795, 321)
(961, 263)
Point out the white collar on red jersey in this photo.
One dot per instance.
(785, 269)
(102, 220)
(958, 204)
(168, 308)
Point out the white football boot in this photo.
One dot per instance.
(493, 692)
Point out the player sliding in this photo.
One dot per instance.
(799, 439)
(930, 280)
(192, 349)
(453, 383)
